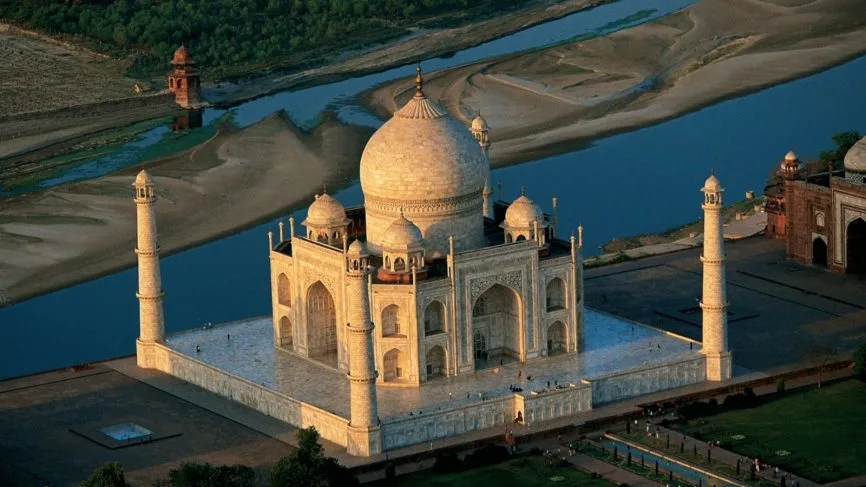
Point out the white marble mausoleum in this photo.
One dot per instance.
(431, 296)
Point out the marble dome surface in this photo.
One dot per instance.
(522, 213)
(712, 184)
(422, 153)
(357, 248)
(855, 159)
(479, 123)
(143, 178)
(325, 210)
(402, 234)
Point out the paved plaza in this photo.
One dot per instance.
(246, 349)
(37, 414)
(781, 312)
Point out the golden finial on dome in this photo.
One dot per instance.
(523, 191)
(419, 82)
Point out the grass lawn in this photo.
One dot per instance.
(823, 429)
(525, 472)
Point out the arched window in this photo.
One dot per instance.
(509, 238)
(284, 291)
(323, 238)
(521, 238)
(480, 308)
(388, 262)
(285, 331)
(555, 292)
(434, 318)
(391, 321)
(399, 264)
(819, 219)
(395, 365)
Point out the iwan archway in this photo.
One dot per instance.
(497, 328)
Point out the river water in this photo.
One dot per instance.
(641, 181)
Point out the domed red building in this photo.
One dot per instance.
(183, 81)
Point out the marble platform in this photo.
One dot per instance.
(245, 349)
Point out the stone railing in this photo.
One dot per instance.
(429, 427)
(647, 379)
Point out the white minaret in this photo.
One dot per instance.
(363, 434)
(150, 294)
(714, 301)
(482, 134)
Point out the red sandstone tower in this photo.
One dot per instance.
(183, 81)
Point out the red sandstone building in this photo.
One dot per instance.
(183, 81)
(822, 216)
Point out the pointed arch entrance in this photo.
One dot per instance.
(285, 332)
(497, 335)
(321, 325)
(396, 369)
(819, 252)
(436, 363)
(556, 339)
(855, 249)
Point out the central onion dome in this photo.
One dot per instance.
(855, 162)
(428, 164)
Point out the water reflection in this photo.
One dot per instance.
(189, 119)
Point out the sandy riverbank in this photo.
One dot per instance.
(54, 238)
(72, 76)
(549, 101)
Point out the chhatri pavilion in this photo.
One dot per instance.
(415, 317)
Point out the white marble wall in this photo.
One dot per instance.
(330, 426)
(649, 379)
(442, 424)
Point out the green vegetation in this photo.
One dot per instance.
(860, 362)
(622, 461)
(207, 475)
(308, 465)
(843, 140)
(305, 466)
(526, 472)
(813, 434)
(260, 34)
(106, 475)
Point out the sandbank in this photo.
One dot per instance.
(554, 100)
(75, 232)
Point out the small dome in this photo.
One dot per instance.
(182, 56)
(522, 213)
(325, 211)
(358, 249)
(402, 234)
(790, 156)
(143, 179)
(479, 124)
(712, 185)
(855, 159)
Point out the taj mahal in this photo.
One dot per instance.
(432, 310)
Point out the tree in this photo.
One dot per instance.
(860, 362)
(309, 466)
(207, 475)
(844, 141)
(107, 475)
(819, 356)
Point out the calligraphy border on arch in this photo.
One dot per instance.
(512, 279)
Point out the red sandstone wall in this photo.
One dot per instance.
(802, 201)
